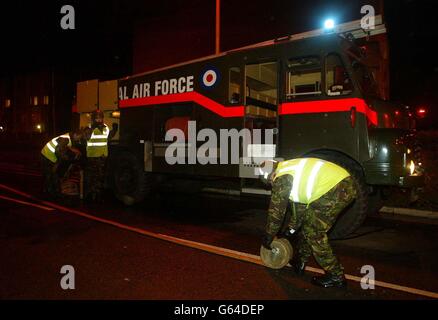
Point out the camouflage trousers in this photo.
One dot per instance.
(318, 219)
(50, 178)
(94, 177)
(313, 220)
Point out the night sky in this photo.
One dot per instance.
(101, 45)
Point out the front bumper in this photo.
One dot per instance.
(411, 181)
(383, 174)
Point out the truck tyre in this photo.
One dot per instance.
(352, 217)
(375, 201)
(130, 183)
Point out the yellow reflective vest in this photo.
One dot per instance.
(49, 149)
(97, 145)
(312, 177)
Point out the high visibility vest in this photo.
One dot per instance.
(97, 145)
(312, 177)
(49, 149)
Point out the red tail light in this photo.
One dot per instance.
(421, 112)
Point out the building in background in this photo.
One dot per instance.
(5, 105)
(35, 104)
(26, 104)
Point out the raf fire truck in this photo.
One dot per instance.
(316, 91)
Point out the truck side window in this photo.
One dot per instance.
(261, 85)
(338, 83)
(303, 77)
(234, 85)
(172, 117)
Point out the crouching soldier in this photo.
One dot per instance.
(317, 191)
(49, 159)
(69, 153)
(56, 157)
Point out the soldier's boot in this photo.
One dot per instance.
(329, 280)
(298, 266)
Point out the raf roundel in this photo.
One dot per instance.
(209, 78)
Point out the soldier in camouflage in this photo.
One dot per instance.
(94, 178)
(326, 190)
(56, 156)
(98, 134)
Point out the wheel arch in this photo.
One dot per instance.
(332, 154)
(354, 215)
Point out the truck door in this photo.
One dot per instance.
(318, 111)
(261, 104)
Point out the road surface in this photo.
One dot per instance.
(186, 247)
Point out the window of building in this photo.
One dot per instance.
(303, 77)
(34, 100)
(337, 81)
(234, 85)
(46, 100)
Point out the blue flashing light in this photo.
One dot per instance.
(329, 24)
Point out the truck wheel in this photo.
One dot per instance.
(130, 183)
(375, 201)
(352, 217)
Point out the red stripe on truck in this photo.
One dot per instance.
(325, 106)
(288, 108)
(226, 112)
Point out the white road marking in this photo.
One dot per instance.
(18, 169)
(410, 212)
(23, 173)
(20, 172)
(26, 203)
(243, 256)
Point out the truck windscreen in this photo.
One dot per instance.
(365, 78)
(361, 73)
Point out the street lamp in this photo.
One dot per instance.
(218, 27)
